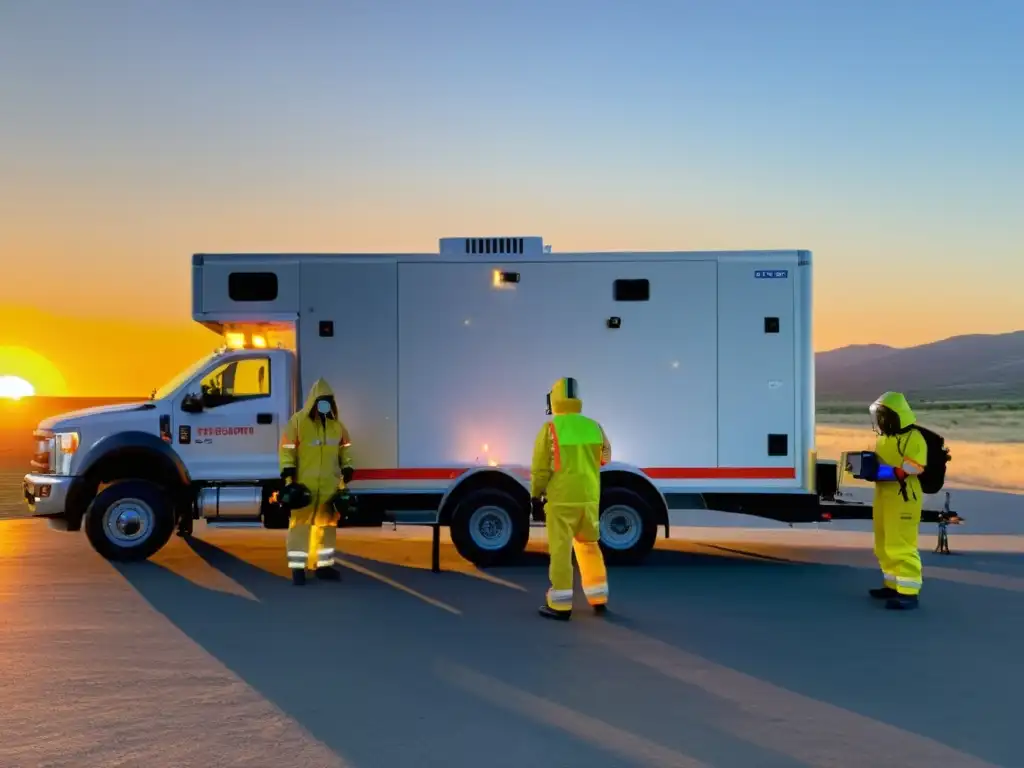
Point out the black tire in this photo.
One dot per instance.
(628, 509)
(146, 520)
(507, 524)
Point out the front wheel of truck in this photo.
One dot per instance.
(129, 520)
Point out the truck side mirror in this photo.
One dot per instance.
(192, 404)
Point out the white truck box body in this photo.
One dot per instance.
(431, 362)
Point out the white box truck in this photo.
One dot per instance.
(699, 366)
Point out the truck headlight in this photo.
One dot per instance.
(54, 453)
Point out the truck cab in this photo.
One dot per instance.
(204, 446)
(225, 421)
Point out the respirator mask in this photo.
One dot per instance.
(884, 421)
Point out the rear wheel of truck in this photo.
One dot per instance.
(489, 527)
(629, 526)
(129, 520)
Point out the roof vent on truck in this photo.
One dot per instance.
(495, 246)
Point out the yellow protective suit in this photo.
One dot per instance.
(567, 458)
(896, 519)
(316, 449)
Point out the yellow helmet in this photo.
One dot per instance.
(562, 392)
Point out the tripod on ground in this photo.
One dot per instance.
(946, 519)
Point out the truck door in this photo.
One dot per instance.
(245, 399)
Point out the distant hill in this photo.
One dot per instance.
(974, 367)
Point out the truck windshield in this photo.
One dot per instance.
(182, 377)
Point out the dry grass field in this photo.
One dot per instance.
(971, 422)
(986, 440)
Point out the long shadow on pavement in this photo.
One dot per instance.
(949, 671)
(381, 677)
(812, 630)
(368, 669)
(355, 668)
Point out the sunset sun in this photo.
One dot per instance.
(15, 388)
(24, 373)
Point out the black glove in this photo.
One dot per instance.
(537, 510)
(343, 503)
(288, 473)
(295, 496)
(337, 501)
(346, 474)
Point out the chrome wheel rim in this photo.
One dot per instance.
(490, 528)
(621, 527)
(128, 522)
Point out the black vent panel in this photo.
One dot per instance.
(494, 245)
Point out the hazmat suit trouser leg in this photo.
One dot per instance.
(322, 545)
(312, 535)
(575, 527)
(877, 523)
(586, 544)
(901, 522)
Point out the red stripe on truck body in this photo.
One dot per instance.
(655, 473)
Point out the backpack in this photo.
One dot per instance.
(934, 475)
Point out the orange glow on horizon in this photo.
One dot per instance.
(64, 356)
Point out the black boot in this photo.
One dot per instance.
(298, 576)
(550, 613)
(901, 603)
(328, 574)
(883, 593)
(601, 610)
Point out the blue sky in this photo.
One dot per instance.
(885, 136)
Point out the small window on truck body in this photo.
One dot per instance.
(252, 286)
(633, 290)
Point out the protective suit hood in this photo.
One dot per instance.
(561, 402)
(319, 389)
(897, 403)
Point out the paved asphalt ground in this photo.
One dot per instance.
(746, 648)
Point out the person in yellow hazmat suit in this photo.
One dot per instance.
(568, 454)
(315, 454)
(901, 453)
